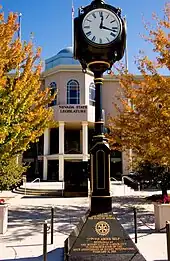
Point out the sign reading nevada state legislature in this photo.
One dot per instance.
(72, 108)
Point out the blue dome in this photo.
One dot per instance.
(64, 57)
(66, 52)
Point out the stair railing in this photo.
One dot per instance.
(25, 187)
(132, 180)
(113, 179)
(35, 180)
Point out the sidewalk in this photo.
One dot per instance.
(24, 237)
(152, 245)
(23, 240)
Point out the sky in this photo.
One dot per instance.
(51, 22)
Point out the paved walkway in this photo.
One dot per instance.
(23, 240)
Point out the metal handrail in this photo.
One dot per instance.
(112, 178)
(35, 180)
(132, 180)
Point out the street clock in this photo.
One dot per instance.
(99, 34)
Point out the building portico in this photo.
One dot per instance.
(66, 149)
(62, 156)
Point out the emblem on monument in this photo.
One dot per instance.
(102, 228)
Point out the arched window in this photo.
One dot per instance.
(92, 91)
(73, 92)
(53, 89)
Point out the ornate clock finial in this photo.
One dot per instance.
(98, 1)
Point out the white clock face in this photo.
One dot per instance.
(101, 26)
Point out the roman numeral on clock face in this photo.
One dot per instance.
(88, 33)
(93, 14)
(112, 34)
(101, 14)
(94, 38)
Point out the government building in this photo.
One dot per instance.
(64, 151)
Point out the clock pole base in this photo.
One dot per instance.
(100, 204)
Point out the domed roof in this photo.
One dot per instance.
(67, 51)
(64, 57)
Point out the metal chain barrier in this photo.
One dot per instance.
(47, 227)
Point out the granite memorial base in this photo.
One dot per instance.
(100, 238)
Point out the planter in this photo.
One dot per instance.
(3, 218)
(162, 214)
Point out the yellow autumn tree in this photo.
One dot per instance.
(143, 104)
(23, 103)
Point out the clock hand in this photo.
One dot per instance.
(101, 23)
(104, 27)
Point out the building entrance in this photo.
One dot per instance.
(116, 164)
(76, 178)
(53, 170)
(75, 170)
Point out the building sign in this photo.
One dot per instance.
(72, 108)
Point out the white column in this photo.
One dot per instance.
(81, 135)
(61, 150)
(46, 152)
(45, 168)
(61, 137)
(125, 162)
(85, 140)
(86, 89)
(61, 168)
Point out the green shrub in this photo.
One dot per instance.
(10, 173)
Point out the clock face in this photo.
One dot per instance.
(101, 26)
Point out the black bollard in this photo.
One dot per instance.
(135, 224)
(52, 225)
(168, 238)
(45, 241)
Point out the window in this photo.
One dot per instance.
(73, 92)
(53, 89)
(92, 94)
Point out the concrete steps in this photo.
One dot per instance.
(39, 191)
(119, 189)
(55, 189)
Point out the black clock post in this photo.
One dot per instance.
(101, 200)
(99, 41)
